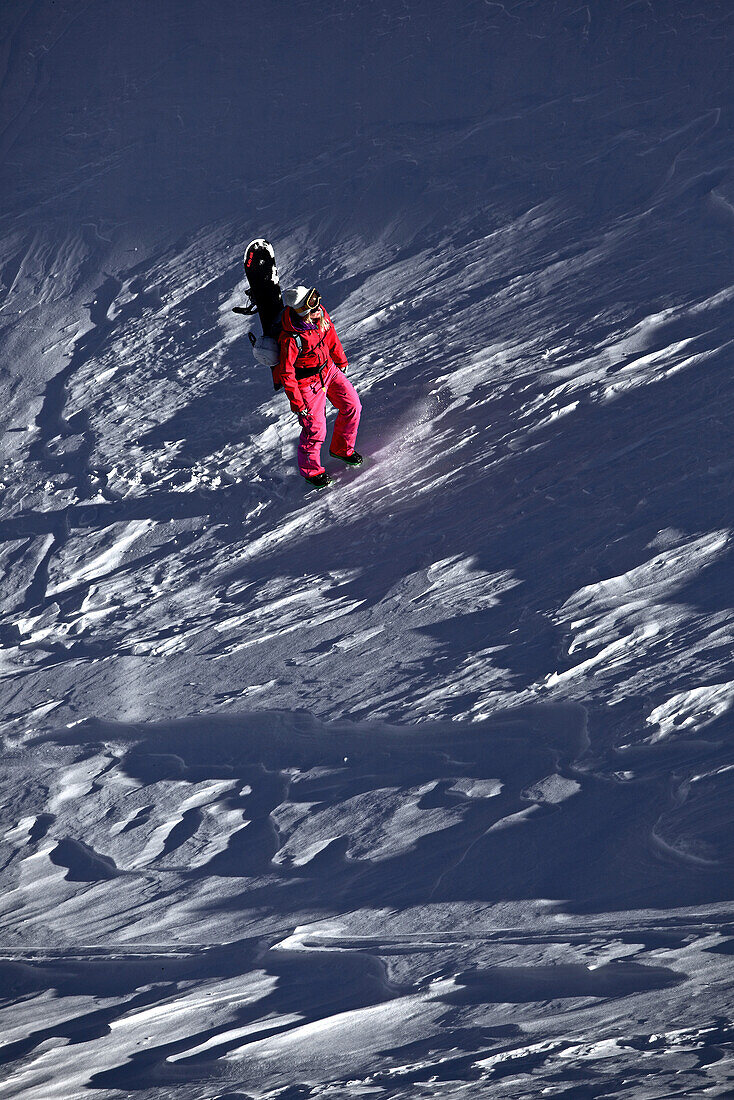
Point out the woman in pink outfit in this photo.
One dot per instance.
(313, 367)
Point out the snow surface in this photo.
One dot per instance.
(421, 786)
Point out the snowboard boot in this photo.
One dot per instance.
(353, 459)
(320, 481)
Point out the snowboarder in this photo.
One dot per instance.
(311, 367)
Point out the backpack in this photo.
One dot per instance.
(266, 349)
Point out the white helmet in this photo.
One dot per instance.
(295, 296)
(301, 298)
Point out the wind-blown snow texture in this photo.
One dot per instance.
(421, 787)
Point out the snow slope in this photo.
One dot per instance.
(421, 786)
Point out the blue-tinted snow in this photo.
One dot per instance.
(421, 786)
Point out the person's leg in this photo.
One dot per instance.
(343, 397)
(314, 433)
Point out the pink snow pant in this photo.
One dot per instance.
(343, 396)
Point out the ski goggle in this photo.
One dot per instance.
(312, 302)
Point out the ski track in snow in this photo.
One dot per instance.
(420, 786)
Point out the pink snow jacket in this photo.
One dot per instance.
(320, 346)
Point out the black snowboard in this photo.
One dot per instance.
(264, 292)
